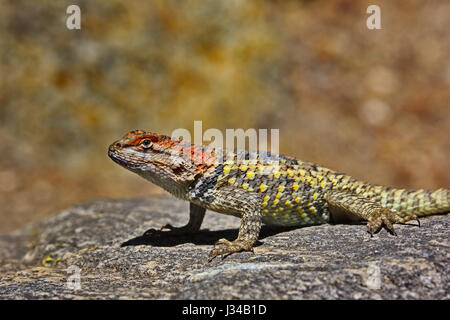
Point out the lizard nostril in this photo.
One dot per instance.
(114, 146)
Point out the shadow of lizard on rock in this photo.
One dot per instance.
(208, 237)
(202, 237)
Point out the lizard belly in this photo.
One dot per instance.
(292, 204)
(295, 216)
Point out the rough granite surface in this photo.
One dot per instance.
(104, 239)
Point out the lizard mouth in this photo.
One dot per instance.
(119, 160)
(123, 161)
(116, 158)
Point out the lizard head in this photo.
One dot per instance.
(162, 160)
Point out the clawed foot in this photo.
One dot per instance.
(229, 247)
(171, 230)
(386, 218)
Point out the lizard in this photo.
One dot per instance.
(262, 188)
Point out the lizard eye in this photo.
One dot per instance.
(146, 143)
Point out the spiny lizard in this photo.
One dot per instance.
(260, 188)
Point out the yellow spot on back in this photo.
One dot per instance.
(231, 180)
(263, 187)
(226, 169)
(245, 185)
(250, 174)
(276, 174)
(278, 195)
(295, 186)
(266, 198)
(288, 204)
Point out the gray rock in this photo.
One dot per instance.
(103, 241)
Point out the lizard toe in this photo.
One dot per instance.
(169, 230)
(386, 219)
(167, 226)
(222, 242)
(230, 247)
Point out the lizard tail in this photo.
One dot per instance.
(416, 202)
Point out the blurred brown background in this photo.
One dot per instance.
(373, 104)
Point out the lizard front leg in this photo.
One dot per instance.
(248, 205)
(248, 234)
(375, 215)
(196, 215)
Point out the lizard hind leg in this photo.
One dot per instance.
(376, 216)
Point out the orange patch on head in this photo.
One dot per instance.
(134, 133)
(135, 137)
(201, 156)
